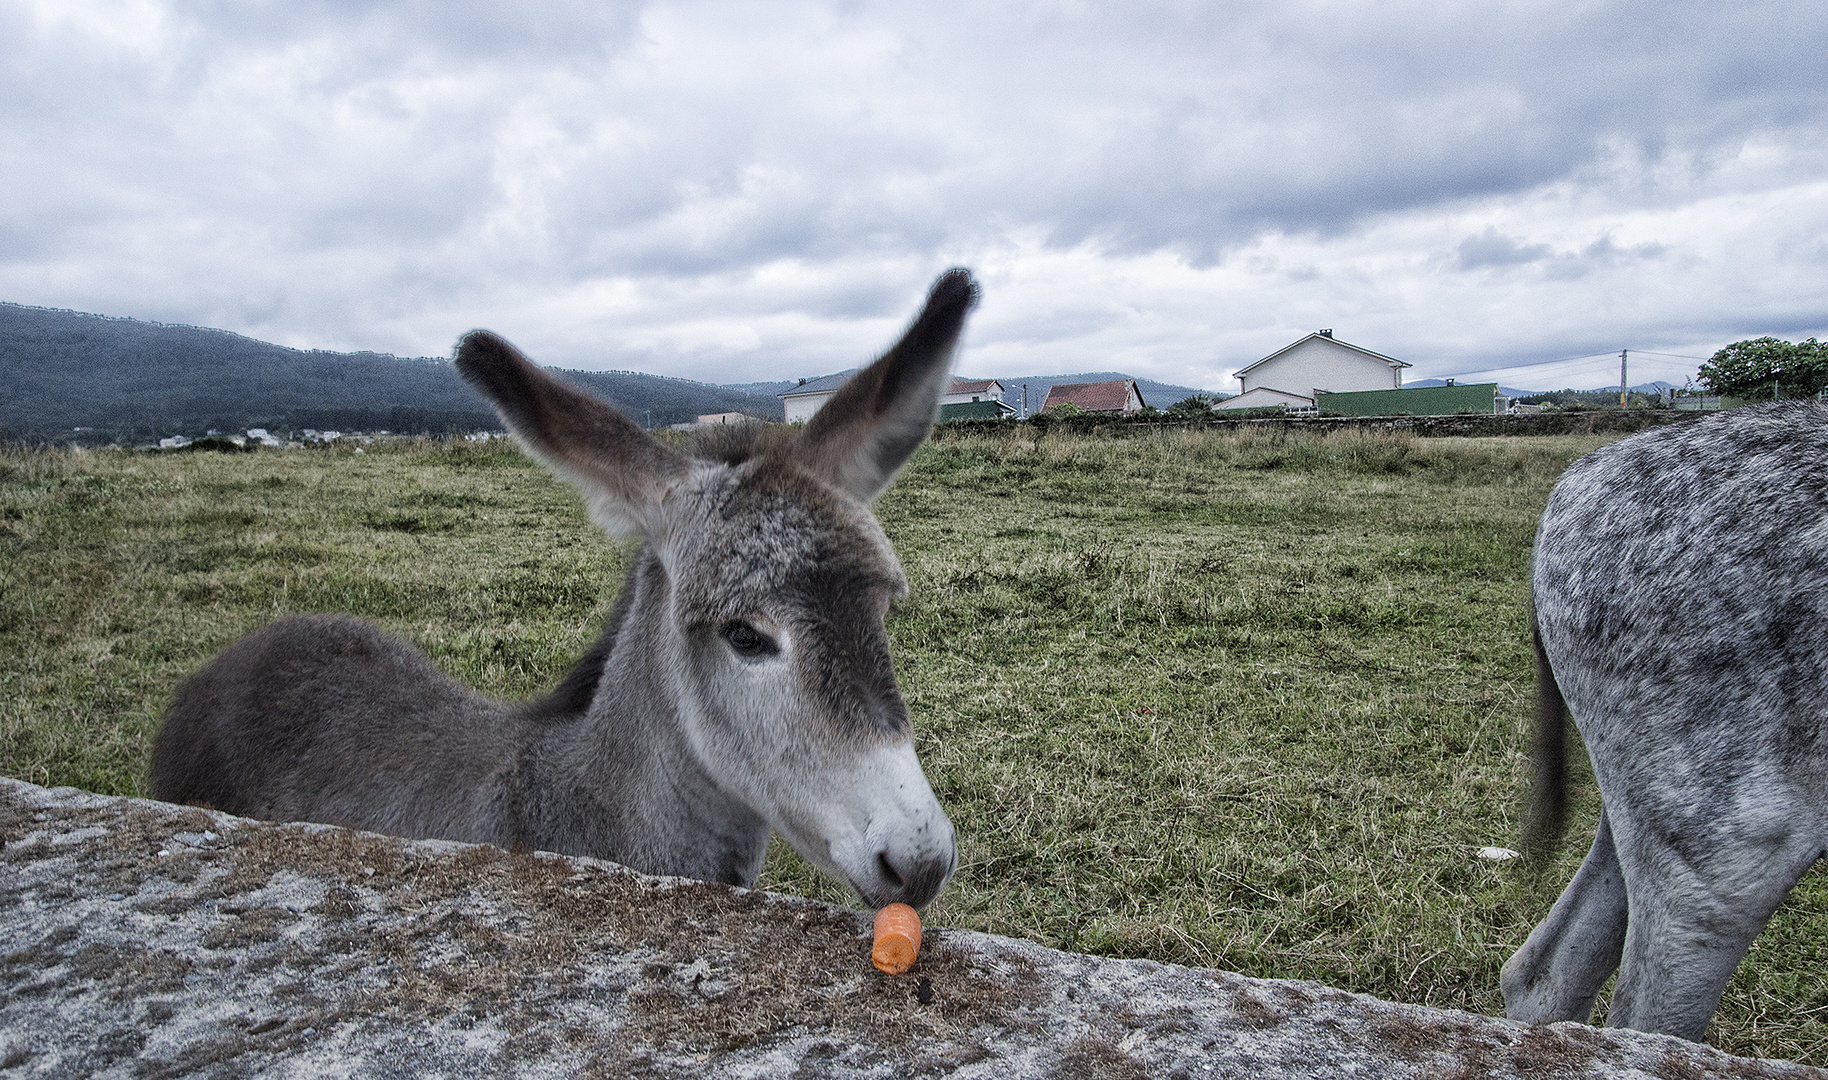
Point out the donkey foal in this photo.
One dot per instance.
(1680, 581)
(743, 682)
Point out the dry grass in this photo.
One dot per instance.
(1249, 701)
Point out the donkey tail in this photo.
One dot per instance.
(1542, 830)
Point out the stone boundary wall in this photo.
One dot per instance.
(139, 939)
(1578, 422)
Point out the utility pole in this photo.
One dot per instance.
(1622, 383)
(1024, 401)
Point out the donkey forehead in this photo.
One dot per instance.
(752, 536)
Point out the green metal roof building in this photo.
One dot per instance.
(974, 410)
(1479, 398)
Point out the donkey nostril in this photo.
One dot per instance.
(888, 870)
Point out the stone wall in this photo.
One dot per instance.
(1583, 422)
(139, 939)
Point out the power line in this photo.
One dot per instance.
(1607, 356)
(1542, 363)
(1677, 355)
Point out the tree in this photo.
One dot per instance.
(1197, 406)
(1759, 369)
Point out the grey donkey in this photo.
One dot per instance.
(743, 682)
(1680, 582)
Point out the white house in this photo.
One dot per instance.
(804, 400)
(966, 391)
(1316, 362)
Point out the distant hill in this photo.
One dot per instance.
(658, 401)
(764, 389)
(1642, 388)
(1160, 395)
(132, 381)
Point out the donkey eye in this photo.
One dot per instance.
(749, 643)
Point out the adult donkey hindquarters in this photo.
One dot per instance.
(1680, 582)
(743, 681)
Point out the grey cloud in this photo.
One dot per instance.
(1384, 110)
(340, 168)
(472, 30)
(1138, 129)
(1214, 131)
(1600, 254)
(1603, 250)
(1491, 248)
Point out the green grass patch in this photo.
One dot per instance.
(1247, 700)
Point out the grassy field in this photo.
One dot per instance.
(1246, 701)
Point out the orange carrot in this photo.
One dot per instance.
(897, 939)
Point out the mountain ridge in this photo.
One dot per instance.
(70, 376)
(83, 377)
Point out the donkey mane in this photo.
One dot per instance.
(738, 444)
(571, 698)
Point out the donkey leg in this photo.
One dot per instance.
(1568, 957)
(1691, 925)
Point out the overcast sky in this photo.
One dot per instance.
(732, 191)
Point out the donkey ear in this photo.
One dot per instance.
(620, 469)
(876, 420)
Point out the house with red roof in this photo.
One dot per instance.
(966, 391)
(1117, 395)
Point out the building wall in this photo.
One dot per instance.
(1319, 363)
(801, 406)
(993, 393)
(1263, 398)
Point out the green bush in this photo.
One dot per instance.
(1766, 368)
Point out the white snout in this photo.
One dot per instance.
(883, 831)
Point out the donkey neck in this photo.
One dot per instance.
(618, 779)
